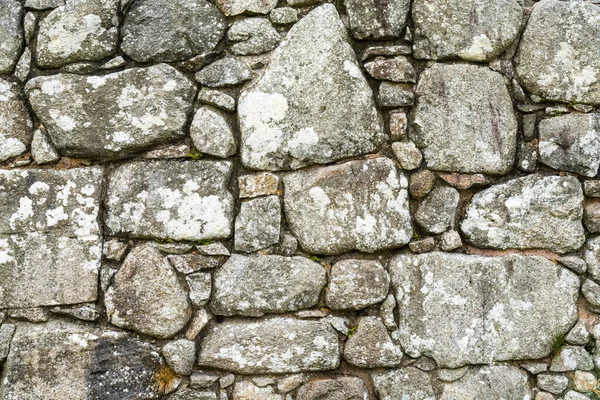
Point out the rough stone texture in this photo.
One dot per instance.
(343, 388)
(472, 30)
(559, 51)
(460, 309)
(42, 151)
(211, 133)
(437, 211)
(50, 246)
(62, 360)
(397, 69)
(591, 256)
(392, 95)
(246, 390)
(180, 355)
(403, 383)
(302, 113)
(171, 30)
(361, 205)
(283, 15)
(572, 358)
(255, 285)
(200, 286)
(115, 115)
(11, 35)
(497, 382)
(407, 154)
(6, 333)
(257, 226)
(147, 296)
(552, 383)
(277, 345)
(373, 19)
(178, 200)
(371, 346)
(356, 284)
(530, 212)
(253, 36)
(256, 185)
(80, 30)
(591, 215)
(228, 71)
(236, 7)
(15, 127)
(463, 120)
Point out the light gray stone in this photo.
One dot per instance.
(116, 62)
(188, 263)
(246, 390)
(43, 4)
(201, 380)
(199, 321)
(377, 20)
(236, 7)
(392, 95)
(386, 51)
(574, 263)
(591, 255)
(277, 345)
(421, 183)
(42, 150)
(403, 383)
(571, 358)
(255, 285)
(531, 212)
(422, 245)
(114, 249)
(200, 284)
(450, 240)
(371, 346)
(217, 99)
(407, 154)
(451, 375)
(80, 30)
(83, 312)
(386, 312)
(252, 36)
(289, 383)
(189, 394)
(579, 335)
(398, 124)
(397, 69)
(463, 120)
(178, 200)
(328, 113)
(283, 16)
(528, 123)
(557, 54)
(496, 382)
(140, 108)
(180, 355)
(461, 309)
(356, 284)
(6, 334)
(211, 133)
(591, 292)
(584, 382)
(257, 226)
(11, 35)
(552, 383)
(171, 30)
(534, 367)
(228, 71)
(23, 65)
(472, 30)
(437, 211)
(226, 381)
(361, 205)
(573, 395)
(256, 185)
(342, 388)
(571, 143)
(147, 296)
(16, 127)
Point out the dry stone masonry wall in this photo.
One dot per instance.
(299, 200)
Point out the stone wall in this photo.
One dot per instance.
(294, 200)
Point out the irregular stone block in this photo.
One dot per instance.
(463, 120)
(277, 345)
(377, 19)
(42, 150)
(403, 383)
(211, 133)
(591, 215)
(473, 30)
(591, 255)
(257, 226)
(571, 143)
(527, 213)
(327, 114)
(62, 360)
(356, 284)
(171, 30)
(180, 355)
(179, 200)
(11, 35)
(256, 285)
(140, 108)
(496, 382)
(246, 390)
(397, 69)
(6, 333)
(228, 71)
(16, 127)
(360, 205)
(371, 346)
(256, 185)
(252, 36)
(283, 15)
(342, 388)
(392, 95)
(236, 7)
(460, 309)
(80, 30)
(437, 211)
(558, 52)
(200, 284)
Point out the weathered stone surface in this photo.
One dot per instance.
(403, 383)
(81, 30)
(190, 394)
(283, 16)
(257, 226)
(60, 360)
(531, 212)
(171, 30)
(188, 263)
(255, 285)
(571, 143)
(591, 215)
(211, 133)
(397, 69)
(305, 111)
(43, 4)
(228, 71)
(356, 284)
(180, 355)
(437, 211)
(398, 125)
(342, 388)
(179, 200)
(421, 183)
(460, 309)
(361, 205)
(497, 382)
(559, 50)
(371, 346)
(373, 19)
(15, 127)
(255, 185)
(253, 36)
(591, 256)
(277, 345)
(591, 292)
(6, 333)
(200, 285)
(50, 247)
(472, 30)
(527, 156)
(450, 240)
(463, 120)
(392, 95)
(246, 390)
(591, 188)
(215, 98)
(407, 154)
(572, 358)
(236, 7)
(552, 383)
(42, 151)
(147, 296)
(11, 35)
(115, 115)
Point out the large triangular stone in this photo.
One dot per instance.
(313, 105)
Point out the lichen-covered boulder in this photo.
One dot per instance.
(171, 30)
(147, 296)
(277, 345)
(463, 120)
(527, 213)
(178, 200)
(16, 128)
(11, 35)
(113, 116)
(377, 19)
(559, 51)
(307, 110)
(472, 30)
(494, 382)
(462, 309)
(360, 205)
